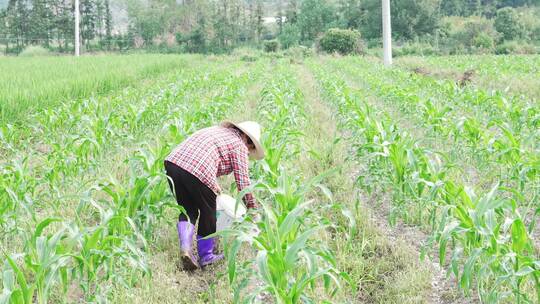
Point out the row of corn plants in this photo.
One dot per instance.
(72, 151)
(491, 123)
(490, 64)
(492, 136)
(516, 74)
(497, 132)
(491, 251)
(105, 243)
(35, 177)
(292, 263)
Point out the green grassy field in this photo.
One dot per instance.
(30, 84)
(379, 186)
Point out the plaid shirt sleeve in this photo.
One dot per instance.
(239, 162)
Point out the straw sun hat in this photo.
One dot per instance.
(253, 131)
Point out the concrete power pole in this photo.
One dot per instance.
(387, 33)
(77, 34)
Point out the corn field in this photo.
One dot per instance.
(86, 214)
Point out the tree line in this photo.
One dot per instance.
(50, 23)
(220, 25)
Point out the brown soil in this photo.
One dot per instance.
(461, 79)
(444, 287)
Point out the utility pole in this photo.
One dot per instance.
(77, 35)
(387, 33)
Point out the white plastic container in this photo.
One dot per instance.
(226, 215)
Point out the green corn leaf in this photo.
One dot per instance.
(469, 267)
(25, 294)
(43, 224)
(291, 219)
(5, 297)
(93, 240)
(262, 264)
(351, 221)
(524, 271)
(291, 254)
(8, 279)
(231, 260)
(519, 236)
(489, 202)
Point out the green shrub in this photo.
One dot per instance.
(515, 47)
(271, 46)
(374, 43)
(416, 48)
(509, 24)
(34, 50)
(470, 35)
(341, 41)
(508, 47)
(299, 52)
(247, 54)
(535, 34)
(483, 41)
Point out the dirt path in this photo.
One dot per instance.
(377, 206)
(444, 289)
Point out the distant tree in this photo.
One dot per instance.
(236, 21)
(279, 17)
(472, 7)
(259, 26)
(108, 23)
(221, 26)
(4, 29)
(41, 25)
(290, 36)
(410, 18)
(291, 13)
(516, 3)
(18, 21)
(508, 24)
(64, 23)
(224, 34)
(150, 25)
(350, 13)
(477, 35)
(483, 41)
(88, 10)
(453, 7)
(486, 8)
(315, 17)
(197, 40)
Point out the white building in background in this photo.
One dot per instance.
(272, 20)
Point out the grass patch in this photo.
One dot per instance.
(33, 83)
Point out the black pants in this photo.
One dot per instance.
(195, 197)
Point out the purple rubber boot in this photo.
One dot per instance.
(186, 235)
(206, 251)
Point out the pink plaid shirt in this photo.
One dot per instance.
(213, 152)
